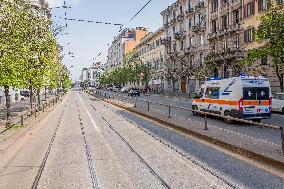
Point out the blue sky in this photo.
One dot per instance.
(87, 40)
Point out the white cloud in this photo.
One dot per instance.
(55, 3)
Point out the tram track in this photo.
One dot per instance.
(142, 160)
(43, 163)
(191, 159)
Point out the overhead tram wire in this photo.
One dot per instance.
(140, 10)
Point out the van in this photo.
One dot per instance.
(244, 97)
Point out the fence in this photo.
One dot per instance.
(28, 114)
(168, 111)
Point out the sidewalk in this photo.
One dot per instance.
(183, 96)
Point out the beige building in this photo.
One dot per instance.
(185, 39)
(123, 44)
(152, 53)
(252, 10)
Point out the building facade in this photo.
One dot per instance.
(225, 37)
(91, 75)
(186, 44)
(152, 53)
(123, 44)
(252, 10)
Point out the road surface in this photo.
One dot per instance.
(86, 143)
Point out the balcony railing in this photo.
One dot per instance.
(189, 11)
(236, 4)
(200, 26)
(234, 28)
(179, 35)
(199, 6)
(166, 41)
(212, 35)
(180, 17)
(227, 54)
(173, 21)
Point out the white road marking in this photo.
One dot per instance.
(90, 117)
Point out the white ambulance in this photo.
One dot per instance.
(244, 97)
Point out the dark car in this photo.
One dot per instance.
(134, 92)
(25, 93)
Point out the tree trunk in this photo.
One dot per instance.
(45, 95)
(38, 97)
(31, 96)
(8, 105)
(280, 78)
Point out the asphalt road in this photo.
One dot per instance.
(83, 143)
(270, 135)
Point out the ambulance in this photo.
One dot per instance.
(245, 97)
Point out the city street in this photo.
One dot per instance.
(86, 143)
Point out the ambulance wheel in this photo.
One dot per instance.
(193, 112)
(256, 120)
(283, 111)
(226, 120)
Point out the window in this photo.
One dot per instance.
(249, 9)
(214, 26)
(225, 45)
(181, 45)
(225, 1)
(256, 93)
(190, 23)
(212, 92)
(201, 58)
(237, 42)
(181, 27)
(174, 30)
(190, 42)
(189, 4)
(262, 5)
(263, 61)
(248, 35)
(180, 10)
(201, 39)
(236, 16)
(225, 22)
(214, 5)
(174, 15)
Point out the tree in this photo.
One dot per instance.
(270, 35)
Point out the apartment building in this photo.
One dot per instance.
(123, 44)
(225, 36)
(252, 11)
(152, 53)
(186, 44)
(92, 74)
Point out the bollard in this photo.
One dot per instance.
(282, 137)
(42, 107)
(135, 104)
(105, 95)
(22, 120)
(35, 113)
(148, 108)
(205, 124)
(125, 98)
(169, 116)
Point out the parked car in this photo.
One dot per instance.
(278, 103)
(116, 88)
(134, 92)
(124, 89)
(24, 94)
(109, 88)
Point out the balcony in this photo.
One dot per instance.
(199, 27)
(214, 15)
(224, 9)
(212, 35)
(166, 24)
(179, 35)
(189, 11)
(166, 41)
(228, 54)
(222, 32)
(190, 50)
(173, 21)
(234, 28)
(180, 17)
(199, 6)
(236, 4)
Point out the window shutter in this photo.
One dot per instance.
(253, 7)
(259, 5)
(245, 36)
(245, 11)
(252, 34)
